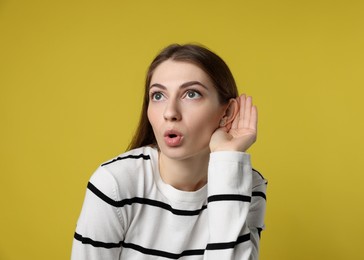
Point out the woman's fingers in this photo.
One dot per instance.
(243, 131)
(247, 112)
(247, 116)
(242, 100)
(254, 119)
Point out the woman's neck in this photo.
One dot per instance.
(187, 175)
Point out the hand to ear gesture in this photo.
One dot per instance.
(240, 132)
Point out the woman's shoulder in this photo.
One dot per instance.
(131, 157)
(258, 177)
(127, 171)
(259, 184)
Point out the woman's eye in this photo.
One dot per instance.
(191, 94)
(157, 96)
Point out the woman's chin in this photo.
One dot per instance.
(181, 153)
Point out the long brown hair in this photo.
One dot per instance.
(202, 57)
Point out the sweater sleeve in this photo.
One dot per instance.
(99, 230)
(235, 217)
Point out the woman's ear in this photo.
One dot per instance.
(230, 113)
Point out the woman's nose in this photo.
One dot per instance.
(172, 111)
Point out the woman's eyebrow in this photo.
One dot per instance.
(190, 83)
(184, 85)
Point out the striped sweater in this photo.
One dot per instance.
(130, 213)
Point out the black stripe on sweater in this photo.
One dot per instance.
(259, 231)
(160, 253)
(259, 194)
(140, 156)
(144, 201)
(155, 252)
(228, 245)
(225, 197)
(89, 241)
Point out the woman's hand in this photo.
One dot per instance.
(241, 133)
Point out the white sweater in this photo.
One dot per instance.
(130, 213)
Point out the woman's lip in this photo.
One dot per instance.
(172, 132)
(173, 141)
(173, 138)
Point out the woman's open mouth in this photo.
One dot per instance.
(173, 138)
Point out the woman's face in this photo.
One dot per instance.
(184, 109)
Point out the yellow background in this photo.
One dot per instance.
(71, 81)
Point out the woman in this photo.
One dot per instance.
(186, 188)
